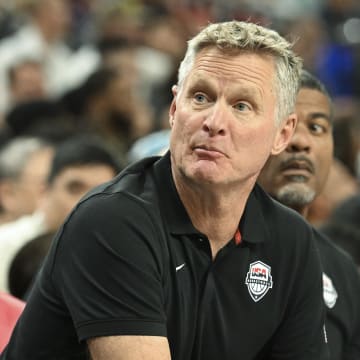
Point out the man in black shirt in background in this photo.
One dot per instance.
(295, 177)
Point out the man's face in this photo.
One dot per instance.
(69, 186)
(299, 173)
(24, 194)
(55, 15)
(222, 118)
(28, 84)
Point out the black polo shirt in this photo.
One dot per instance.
(128, 261)
(342, 300)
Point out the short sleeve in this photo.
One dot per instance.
(108, 268)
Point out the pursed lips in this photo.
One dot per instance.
(206, 150)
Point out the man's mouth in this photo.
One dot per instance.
(208, 151)
(298, 170)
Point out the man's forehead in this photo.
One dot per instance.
(242, 77)
(312, 95)
(314, 100)
(212, 59)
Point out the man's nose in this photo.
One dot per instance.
(301, 140)
(216, 119)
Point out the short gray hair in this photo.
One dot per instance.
(15, 154)
(239, 35)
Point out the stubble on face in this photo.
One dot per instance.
(295, 195)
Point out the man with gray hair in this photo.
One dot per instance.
(24, 166)
(183, 256)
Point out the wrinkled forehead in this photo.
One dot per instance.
(240, 72)
(234, 66)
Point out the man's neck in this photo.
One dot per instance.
(213, 211)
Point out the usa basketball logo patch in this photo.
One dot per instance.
(330, 293)
(258, 280)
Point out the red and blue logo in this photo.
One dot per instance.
(258, 280)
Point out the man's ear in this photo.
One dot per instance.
(284, 134)
(172, 109)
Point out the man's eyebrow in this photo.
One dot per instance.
(207, 84)
(319, 114)
(199, 82)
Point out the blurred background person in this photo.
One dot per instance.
(108, 108)
(347, 143)
(343, 226)
(26, 263)
(79, 164)
(295, 177)
(24, 166)
(27, 82)
(43, 118)
(43, 38)
(339, 186)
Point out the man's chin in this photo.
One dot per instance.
(296, 194)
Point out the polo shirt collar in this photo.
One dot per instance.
(253, 227)
(174, 212)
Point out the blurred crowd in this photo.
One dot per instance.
(107, 67)
(85, 88)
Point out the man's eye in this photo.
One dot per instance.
(200, 98)
(75, 187)
(318, 129)
(241, 106)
